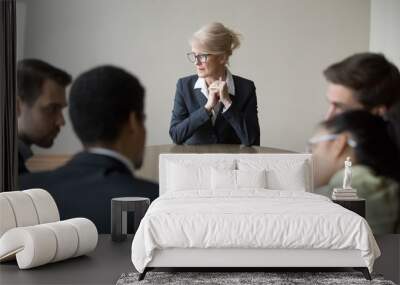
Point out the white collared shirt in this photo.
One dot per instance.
(114, 154)
(201, 84)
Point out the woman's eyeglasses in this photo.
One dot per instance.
(324, 138)
(201, 57)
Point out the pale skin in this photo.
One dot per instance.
(341, 99)
(329, 156)
(40, 122)
(214, 73)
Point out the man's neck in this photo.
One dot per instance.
(112, 152)
(115, 147)
(24, 149)
(24, 139)
(110, 146)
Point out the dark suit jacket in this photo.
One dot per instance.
(191, 124)
(24, 153)
(85, 185)
(22, 169)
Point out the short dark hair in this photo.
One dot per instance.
(100, 102)
(376, 145)
(374, 80)
(31, 74)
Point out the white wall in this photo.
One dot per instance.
(385, 29)
(286, 45)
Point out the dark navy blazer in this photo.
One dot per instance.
(85, 186)
(191, 123)
(22, 169)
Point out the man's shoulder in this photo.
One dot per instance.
(75, 180)
(122, 184)
(145, 183)
(35, 179)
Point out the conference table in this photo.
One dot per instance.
(149, 169)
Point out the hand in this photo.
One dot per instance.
(221, 87)
(224, 95)
(213, 98)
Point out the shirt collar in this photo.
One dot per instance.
(116, 155)
(201, 84)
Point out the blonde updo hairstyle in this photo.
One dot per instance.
(215, 38)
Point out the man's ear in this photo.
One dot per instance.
(340, 145)
(379, 110)
(134, 122)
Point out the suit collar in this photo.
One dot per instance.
(202, 100)
(99, 161)
(113, 154)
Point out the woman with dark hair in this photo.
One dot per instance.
(370, 142)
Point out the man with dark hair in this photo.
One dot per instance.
(107, 114)
(362, 81)
(40, 101)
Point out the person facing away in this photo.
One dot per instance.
(107, 115)
(214, 106)
(362, 81)
(40, 101)
(371, 144)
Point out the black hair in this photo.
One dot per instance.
(31, 74)
(377, 146)
(373, 79)
(393, 117)
(101, 101)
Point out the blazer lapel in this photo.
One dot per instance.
(201, 99)
(219, 116)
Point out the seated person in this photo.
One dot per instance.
(107, 114)
(362, 81)
(40, 101)
(214, 106)
(374, 152)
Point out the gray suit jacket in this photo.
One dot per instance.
(191, 124)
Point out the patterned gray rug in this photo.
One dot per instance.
(270, 278)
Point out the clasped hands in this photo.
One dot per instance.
(218, 92)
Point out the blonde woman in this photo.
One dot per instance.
(214, 106)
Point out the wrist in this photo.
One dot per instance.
(208, 108)
(208, 111)
(227, 102)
